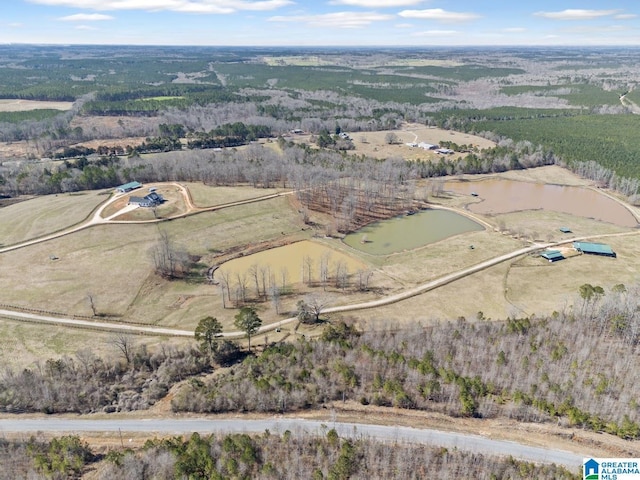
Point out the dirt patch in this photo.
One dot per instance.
(19, 105)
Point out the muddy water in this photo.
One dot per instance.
(409, 232)
(504, 196)
(292, 259)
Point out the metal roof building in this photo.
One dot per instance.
(127, 187)
(552, 255)
(594, 248)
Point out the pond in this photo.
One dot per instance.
(410, 231)
(504, 196)
(294, 261)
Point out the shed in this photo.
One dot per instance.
(594, 249)
(552, 255)
(565, 229)
(127, 187)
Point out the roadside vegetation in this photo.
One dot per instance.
(267, 456)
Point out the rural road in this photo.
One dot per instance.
(471, 443)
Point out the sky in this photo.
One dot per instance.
(321, 22)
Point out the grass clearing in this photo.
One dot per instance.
(27, 344)
(537, 286)
(209, 196)
(19, 105)
(42, 215)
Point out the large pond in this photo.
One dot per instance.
(504, 196)
(410, 231)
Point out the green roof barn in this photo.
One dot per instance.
(552, 255)
(594, 249)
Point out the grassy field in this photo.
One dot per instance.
(209, 196)
(19, 105)
(114, 264)
(46, 214)
(27, 344)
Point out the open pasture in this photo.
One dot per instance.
(20, 105)
(114, 263)
(375, 144)
(46, 214)
(209, 196)
(27, 344)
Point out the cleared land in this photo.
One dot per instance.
(375, 144)
(114, 263)
(46, 214)
(19, 105)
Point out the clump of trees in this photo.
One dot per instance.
(86, 383)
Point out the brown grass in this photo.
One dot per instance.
(18, 105)
(46, 214)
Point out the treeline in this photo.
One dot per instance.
(228, 135)
(570, 368)
(267, 456)
(356, 178)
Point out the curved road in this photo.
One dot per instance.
(472, 443)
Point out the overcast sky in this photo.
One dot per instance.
(321, 22)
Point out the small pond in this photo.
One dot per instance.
(410, 231)
(504, 196)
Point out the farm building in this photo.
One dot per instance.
(552, 255)
(594, 249)
(445, 151)
(151, 200)
(127, 187)
(565, 229)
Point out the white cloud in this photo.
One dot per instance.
(86, 17)
(16, 25)
(436, 33)
(187, 6)
(335, 20)
(404, 25)
(377, 3)
(439, 15)
(625, 16)
(576, 14)
(514, 30)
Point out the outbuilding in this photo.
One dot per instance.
(127, 187)
(552, 255)
(594, 249)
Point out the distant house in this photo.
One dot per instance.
(127, 187)
(565, 230)
(427, 146)
(151, 200)
(594, 249)
(444, 151)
